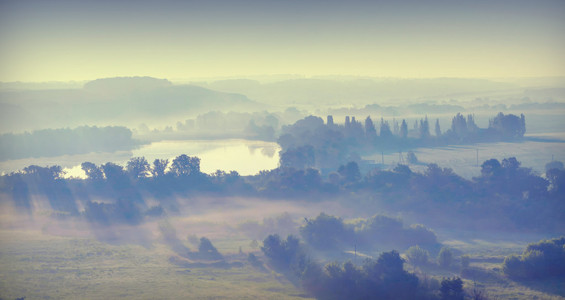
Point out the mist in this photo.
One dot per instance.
(282, 150)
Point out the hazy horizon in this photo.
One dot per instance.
(78, 40)
(282, 149)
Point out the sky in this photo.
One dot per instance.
(59, 40)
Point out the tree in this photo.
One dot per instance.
(370, 131)
(207, 251)
(508, 126)
(437, 129)
(159, 167)
(403, 129)
(138, 167)
(92, 171)
(424, 128)
(44, 174)
(459, 125)
(325, 232)
(385, 129)
(299, 158)
(350, 171)
(411, 157)
(184, 165)
(452, 289)
(540, 260)
(282, 254)
(113, 172)
(490, 168)
(445, 257)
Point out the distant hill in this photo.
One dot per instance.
(125, 101)
(355, 91)
(124, 85)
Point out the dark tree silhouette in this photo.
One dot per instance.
(138, 167)
(404, 129)
(350, 172)
(509, 126)
(159, 167)
(184, 165)
(299, 158)
(370, 131)
(92, 171)
(452, 289)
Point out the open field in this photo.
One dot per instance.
(38, 266)
(53, 261)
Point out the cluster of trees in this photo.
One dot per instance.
(420, 257)
(540, 260)
(329, 233)
(504, 196)
(55, 142)
(311, 143)
(383, 278)
(257, 125)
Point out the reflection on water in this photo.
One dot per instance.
(239, 155)
(243, 156)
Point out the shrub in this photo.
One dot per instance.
(543, 259)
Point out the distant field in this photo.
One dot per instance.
(463, 159)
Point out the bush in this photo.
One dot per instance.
(325, 232)
(539, 260)
(283, 255)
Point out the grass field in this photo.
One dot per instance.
(487, 254)
(38, 266)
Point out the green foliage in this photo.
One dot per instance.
(92, 171)
(184, 165)
(384, 278)
(325, 232)
(138, 167)
(159, 167)
(540, 260)
(284, 255)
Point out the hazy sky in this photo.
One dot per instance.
(46, 40)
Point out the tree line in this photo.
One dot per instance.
(55, 142)
(505, 195)
(381, 278)
(312, 143)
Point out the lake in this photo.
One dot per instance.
(249, 157)
(244, 156)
